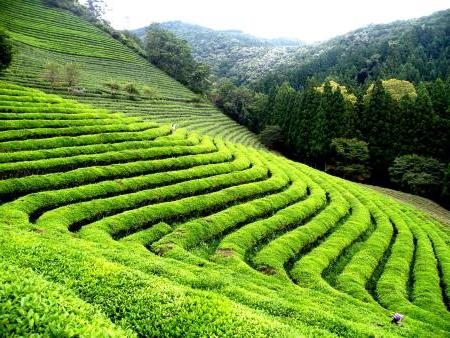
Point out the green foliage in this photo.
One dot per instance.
(377, 124)
(113, 87)
(419, 175)
(350, 158)
(131, 90)
(174, 56)
(446, 188)
(6, 50)
(232, 100)
(30, 304)
(271, 136)
(336, 86)
(151, 92)
(163, 48)
(232, 54)
(42, 35)
(55, 74)
(283, 103)
(161, 232)
(199, 79)
(412, 50)
(71, 74)
(52, 74)
(396, 89)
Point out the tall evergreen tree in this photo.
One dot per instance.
(405, 127)
(440, 97)
(422, 122)
(377, 128)
(284, 104)
(302, 123)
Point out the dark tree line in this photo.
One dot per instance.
(6, 50)
(174, 56)
(357, 135)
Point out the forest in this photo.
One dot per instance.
(373, 106)
(383, 136)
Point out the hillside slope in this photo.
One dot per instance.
(414, 50)
(42, 35)
(421, 203)
(137, 231)
(233, 54)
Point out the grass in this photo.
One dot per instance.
(113, 226)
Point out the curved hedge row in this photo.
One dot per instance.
(153, 232)
(42, 35)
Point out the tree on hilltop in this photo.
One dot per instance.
(174, 56)
(96, 7)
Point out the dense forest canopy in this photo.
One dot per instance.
(232, 54)
(359, 135)
(413, 50)
(174, 56)
(381, 91)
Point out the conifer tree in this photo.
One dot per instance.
(422, 122)
(283, 105)
(440, 97)
(377, 128)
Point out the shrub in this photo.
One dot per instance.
(350, 159)
(52, 74)
(417, 174)
(151, 92)
(132, 90)
(113, 87)
(71, 74)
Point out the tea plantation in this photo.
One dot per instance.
(112, 224)
(42, 35)
(115, 226)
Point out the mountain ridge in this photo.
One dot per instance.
(231, 53)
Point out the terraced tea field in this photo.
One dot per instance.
(42, 35)
(111, 225)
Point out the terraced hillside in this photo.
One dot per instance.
(42, 35)
(114, 226)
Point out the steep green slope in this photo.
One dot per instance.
(114, 226)
(42, 35)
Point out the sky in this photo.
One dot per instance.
(310, 20)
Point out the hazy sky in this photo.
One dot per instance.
(310, 20)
